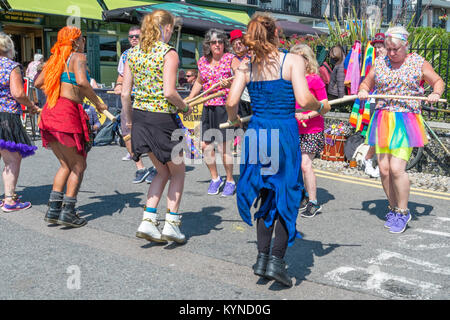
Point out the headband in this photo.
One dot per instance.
(401, 36)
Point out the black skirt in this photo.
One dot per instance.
(152, 132)
(13, 136)
(212, 117)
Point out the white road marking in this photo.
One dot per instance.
(416, 242)
(384, 255)
(377, 279)
(437, 233)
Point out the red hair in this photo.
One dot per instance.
(55, 65)
(260, 37)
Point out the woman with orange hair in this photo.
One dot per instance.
(63, 123)
(275, 81)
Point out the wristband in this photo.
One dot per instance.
(232, 123)
(321, 107)
(186, 109)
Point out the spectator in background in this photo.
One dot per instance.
(191, 77)
(336, 87)
(142, 173)
(33, 65)
(310, 129)
(378, 44)
(93, 117)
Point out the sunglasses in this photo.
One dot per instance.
(135, 36)
(216, 42)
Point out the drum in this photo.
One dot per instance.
(334, 148)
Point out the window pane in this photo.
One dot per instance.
(188, 54)
(108, 49)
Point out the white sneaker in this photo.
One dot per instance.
(127, 157)
(171, 231)
(376, 172)
(369, 170)
(148, 230)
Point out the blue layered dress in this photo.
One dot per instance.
(272, 131)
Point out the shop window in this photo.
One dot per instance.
(108, 52)
(188, 54)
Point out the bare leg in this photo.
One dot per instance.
(400, 181)
(210, 158)
(308, 175)
(159, 182)
(76, 164)
(176, 185)
(386, 179)
(139, 164)
(11, 172)
(227, 157)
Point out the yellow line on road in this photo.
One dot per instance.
(446, 194)
(374, 185)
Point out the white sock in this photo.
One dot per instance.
(218, 179)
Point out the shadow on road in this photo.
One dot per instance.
(201, 223)
(110, 204)
(323, 196)
(37, 195)
(379, 208)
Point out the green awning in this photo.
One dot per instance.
(87, 8)
(115, 4)
(238, 15)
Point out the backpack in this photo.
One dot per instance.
(325, 72)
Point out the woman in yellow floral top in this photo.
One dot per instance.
(152, 68)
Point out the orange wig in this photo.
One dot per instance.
(55, 65)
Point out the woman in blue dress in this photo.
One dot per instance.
(271, 158)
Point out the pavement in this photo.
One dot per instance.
(345, 252)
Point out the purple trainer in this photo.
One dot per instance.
(16, 206)
(390, 218)
(229, 189)
(400, 222)
(214, 186)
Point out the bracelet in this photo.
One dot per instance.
(321, 107)
(232, 123)
(186, 109)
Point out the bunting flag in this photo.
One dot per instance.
(194, 153)
(360, 115)
(353, 75)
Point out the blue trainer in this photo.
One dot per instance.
(400, 222)
(152, 173)
(141, 174)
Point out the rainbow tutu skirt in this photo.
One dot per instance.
(395, 130)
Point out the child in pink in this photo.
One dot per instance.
(310, 128)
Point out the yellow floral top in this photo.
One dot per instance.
(147, 70)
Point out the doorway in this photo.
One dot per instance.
(28, 40)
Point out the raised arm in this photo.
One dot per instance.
(83, 83)
(236, 90)
(433, 79)
(170, 72)
(301, 91)
(17, 91)
(367, 85)
(125, 94)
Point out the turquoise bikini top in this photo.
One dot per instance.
(69, 77)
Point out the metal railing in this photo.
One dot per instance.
(308, 8)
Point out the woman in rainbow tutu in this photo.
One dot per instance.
(397, 125)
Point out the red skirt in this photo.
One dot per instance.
(66, 124)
